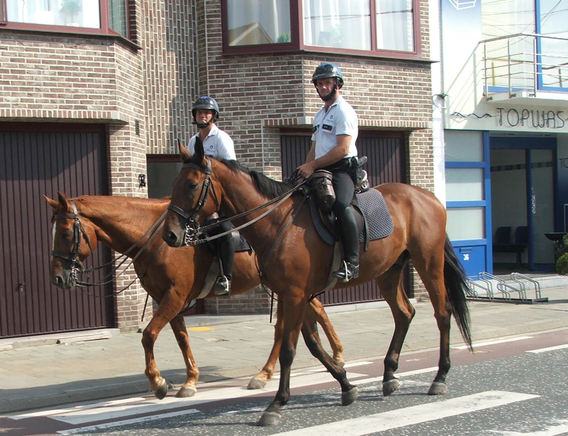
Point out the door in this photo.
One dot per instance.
(35, 160)
(523, 180)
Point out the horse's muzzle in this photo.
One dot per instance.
(64, 279)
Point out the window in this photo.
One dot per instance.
(258, 22)
(368, 27)
(82, 16)
(337, 23)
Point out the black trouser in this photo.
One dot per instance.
(344, 192)
(225, 248)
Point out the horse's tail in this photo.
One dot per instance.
(455, 279)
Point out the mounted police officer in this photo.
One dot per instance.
(217, 144)
(334, 134)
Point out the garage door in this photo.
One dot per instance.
(35, 160)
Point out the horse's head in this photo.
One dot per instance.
(73, 241)
(193, 199)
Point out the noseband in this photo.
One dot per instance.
(78, 230)
(193, 230)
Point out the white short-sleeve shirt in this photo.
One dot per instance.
(339, 119)
(217, 144)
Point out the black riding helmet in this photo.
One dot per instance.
(205, 103)
(326, 70)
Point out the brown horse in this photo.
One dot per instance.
(172, 277)
(296, 263)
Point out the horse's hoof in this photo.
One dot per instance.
(349, 396)
(256, 383)
(161, 390)
(340, 362)
(438, 388)
(269, 418)
(390, 386)
(186, 392)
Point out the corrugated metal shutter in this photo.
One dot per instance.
(386, 153)
(43, 159)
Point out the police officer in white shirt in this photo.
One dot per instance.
(335, 131)
(217, 144)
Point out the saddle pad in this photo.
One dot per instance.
(376, 212)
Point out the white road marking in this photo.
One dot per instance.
(412, 415)
(153, 405)
(545, 350)
(126, 422)
(497, 341)
(552, 430)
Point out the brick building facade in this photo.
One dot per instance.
(140, 86)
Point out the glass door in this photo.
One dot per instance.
(522, 191)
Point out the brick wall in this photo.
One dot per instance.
(62, 79)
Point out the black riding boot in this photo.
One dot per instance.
(349, 270)
(226, 253)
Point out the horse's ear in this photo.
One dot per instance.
(199, 152)
(63, 201)
(51, 201)
(183, 152)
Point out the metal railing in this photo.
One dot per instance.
(522, 64)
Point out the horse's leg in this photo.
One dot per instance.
(316, 311)
(321, 317)
(188, 389)
(259, 380)
(349, 393)
(432, 276)
(292, 316)
(402, 312)
(167, 310)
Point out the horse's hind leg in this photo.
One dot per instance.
(188, 389)
(321, 317)
(167, 310)
(315, 311)
(403, 312)
(259, 380)
(349, 393)
(433, 278)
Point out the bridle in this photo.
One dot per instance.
(78, 231)
(76, 266)
(195, 234)
(192, 230)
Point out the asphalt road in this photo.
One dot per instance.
(514, 386)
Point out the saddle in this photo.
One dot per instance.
(370, 210)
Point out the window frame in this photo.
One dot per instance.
(297, 36)
(104, 28)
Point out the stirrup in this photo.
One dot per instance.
(347, 272)
(222, 286)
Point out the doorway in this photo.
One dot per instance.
(523, 180)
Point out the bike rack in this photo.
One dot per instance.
(504, 288)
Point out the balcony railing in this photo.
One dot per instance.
(524, 64)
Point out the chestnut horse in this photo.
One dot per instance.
(296, 263)
(172, 277)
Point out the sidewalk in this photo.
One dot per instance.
(37, 372)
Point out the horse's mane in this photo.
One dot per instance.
(265, 185)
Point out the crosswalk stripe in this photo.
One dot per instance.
(153, 405)
(412, 415)
(108, 425)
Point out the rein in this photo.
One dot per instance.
(194, 233)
